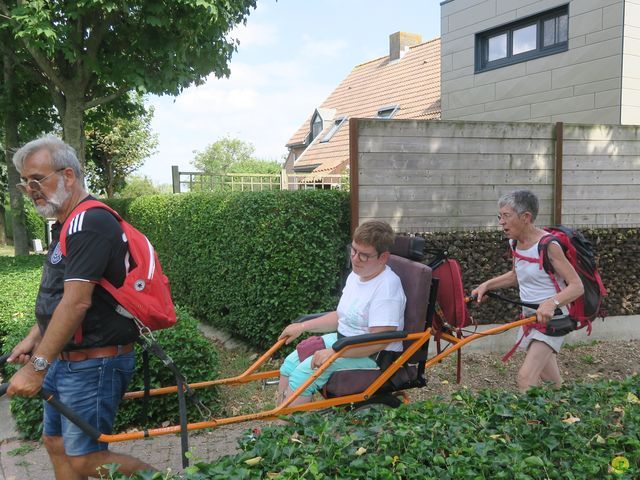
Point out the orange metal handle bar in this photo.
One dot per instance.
(458, 343)
(246, 376)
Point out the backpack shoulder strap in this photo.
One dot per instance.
(543, 246)
(514, 252)
(80, 208)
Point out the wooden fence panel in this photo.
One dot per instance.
(435, 175)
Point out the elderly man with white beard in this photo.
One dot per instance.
(80, 348)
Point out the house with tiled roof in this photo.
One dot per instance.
(402, 85)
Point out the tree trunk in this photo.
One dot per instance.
(3, 225)
(109, 179)
(16, 200)
(73, 124)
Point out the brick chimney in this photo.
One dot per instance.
(400, 42)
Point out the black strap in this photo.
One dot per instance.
(532, 306)
(184, 392)
(147, 386)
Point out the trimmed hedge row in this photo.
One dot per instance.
(483, 255)
(249, 262)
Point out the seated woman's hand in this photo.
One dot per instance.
(291, 332)
(321, 356)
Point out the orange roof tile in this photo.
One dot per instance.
(413, 83)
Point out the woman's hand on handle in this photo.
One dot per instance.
(479, 292)
(291, 332)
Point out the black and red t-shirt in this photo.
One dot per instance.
(95, 250)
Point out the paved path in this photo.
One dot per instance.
(25, 460)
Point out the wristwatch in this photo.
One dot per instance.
(40, 364)
(556, 302)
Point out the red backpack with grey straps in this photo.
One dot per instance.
(145, 294)
(579, 253)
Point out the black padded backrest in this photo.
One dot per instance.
(408, 247)
(416, 282)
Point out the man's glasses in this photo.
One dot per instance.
(35, 185)
(363, 257)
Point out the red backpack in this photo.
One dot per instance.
(145, 294)
(579, 252)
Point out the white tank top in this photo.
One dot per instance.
(534, 283)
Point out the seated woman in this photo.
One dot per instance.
(372, 301)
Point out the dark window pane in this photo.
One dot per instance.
(317, 126)
(524, 39)
(497, 47)
(549, 32)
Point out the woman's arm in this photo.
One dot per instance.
(505, 280)
(573, 290)
(323, 324)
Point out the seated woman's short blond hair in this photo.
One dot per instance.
(375, 233)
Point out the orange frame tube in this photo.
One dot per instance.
(417, 339)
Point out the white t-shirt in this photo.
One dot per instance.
(378, 302)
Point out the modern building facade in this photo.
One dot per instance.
(541, 60)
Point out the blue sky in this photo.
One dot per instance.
(292, 54)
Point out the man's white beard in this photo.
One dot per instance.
(54, 202)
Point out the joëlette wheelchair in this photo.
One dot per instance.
(435, 308)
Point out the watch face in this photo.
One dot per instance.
(40, 364)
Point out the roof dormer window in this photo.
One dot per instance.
(334, 128)
(316, 126)
(387, 112)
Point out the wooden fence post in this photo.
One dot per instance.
(557, 184)
(175, 178)
(353, 173)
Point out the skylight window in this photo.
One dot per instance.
(334, 128)
(388, 111)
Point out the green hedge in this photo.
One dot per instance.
(19, 281)
(485, 254)
(196, 356)
(572, 433)
(249, 262)
(34, 222)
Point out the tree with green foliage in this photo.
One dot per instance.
(91, 52)
(118, 142)
(231, 155)
(25, 112)
(138, 186)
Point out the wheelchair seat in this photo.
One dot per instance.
(416, 282)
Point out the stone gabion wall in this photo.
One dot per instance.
(485, 254)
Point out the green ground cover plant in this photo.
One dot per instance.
(576, 432)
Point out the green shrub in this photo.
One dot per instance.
(195, 356)
(19, 280)
(249, 262)
(35, 223)
(571, 433)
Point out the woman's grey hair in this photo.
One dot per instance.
(62, 154)
(521, 201)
